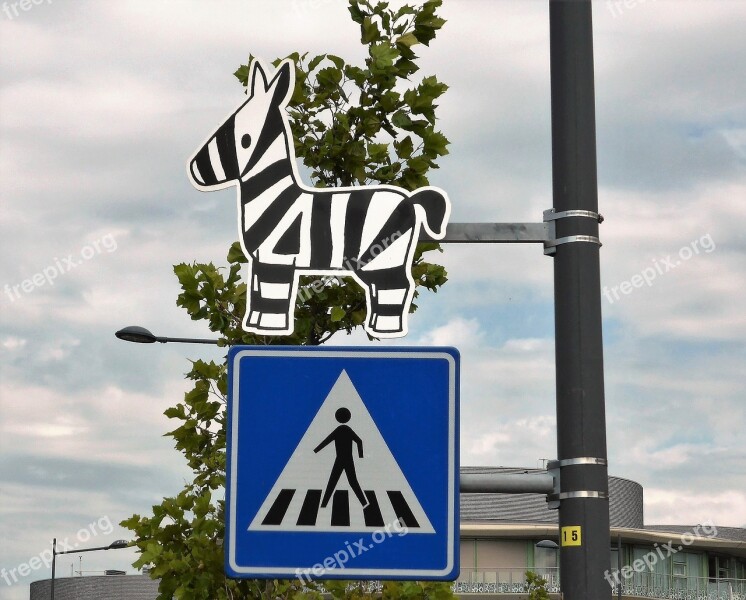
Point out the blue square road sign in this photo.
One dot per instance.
(342, 463)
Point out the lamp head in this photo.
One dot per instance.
(135, 333)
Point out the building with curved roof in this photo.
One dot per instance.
(97, 587)
(499, 533)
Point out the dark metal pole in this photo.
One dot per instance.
(619, 565)
(581, 421)
(54, 560)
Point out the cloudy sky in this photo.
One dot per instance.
(101, 104)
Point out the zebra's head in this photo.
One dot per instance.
(239, 143)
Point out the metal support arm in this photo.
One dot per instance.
(518, 233)
(494, 233)
(506, 483)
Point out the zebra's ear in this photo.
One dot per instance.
(258, 75)
(283, 82)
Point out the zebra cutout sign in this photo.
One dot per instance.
(288, 229)
(333, 489)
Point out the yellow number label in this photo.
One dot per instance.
(570, 536)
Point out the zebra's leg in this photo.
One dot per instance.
(270, 303)
(389, 299)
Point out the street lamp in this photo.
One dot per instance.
(550, 566)
(140, 335)
(115, 545)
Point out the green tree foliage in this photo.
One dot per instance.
(536, 586)
(351, 125)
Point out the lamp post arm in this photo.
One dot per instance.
(86, 550)
(83, 550)
(164, 340)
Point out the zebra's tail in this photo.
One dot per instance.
(437, 208)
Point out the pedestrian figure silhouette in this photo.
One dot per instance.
(343, 438)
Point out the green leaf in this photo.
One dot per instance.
(405, 147)
(242, 74)
(329, 77)
(355, 12)
(436, 144)
(401, 119)
(378, 152)
(369, 31)
(315, 61)
(336, 61)
(235, 254)
(383, 56)
(338, 313)
(408, 39)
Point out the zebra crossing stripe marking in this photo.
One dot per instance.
(402, 509)
(279, 507)
(310, 508)
(372, 512)
(341, 509)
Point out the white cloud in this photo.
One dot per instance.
(11, 343)
(461, 333)
(688, 248)
(725, 509)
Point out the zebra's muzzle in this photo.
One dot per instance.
(196, 175)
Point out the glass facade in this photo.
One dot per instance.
(649, 571)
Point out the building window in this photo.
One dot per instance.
(719, 567)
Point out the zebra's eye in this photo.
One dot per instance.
(245, 140)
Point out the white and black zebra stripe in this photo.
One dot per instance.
(288, 229)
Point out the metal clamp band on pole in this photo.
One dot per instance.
(550, 245)
(550, 215)
(580, 460)
(581, 494)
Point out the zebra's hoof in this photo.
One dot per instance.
(268, 321)
(385, 324)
